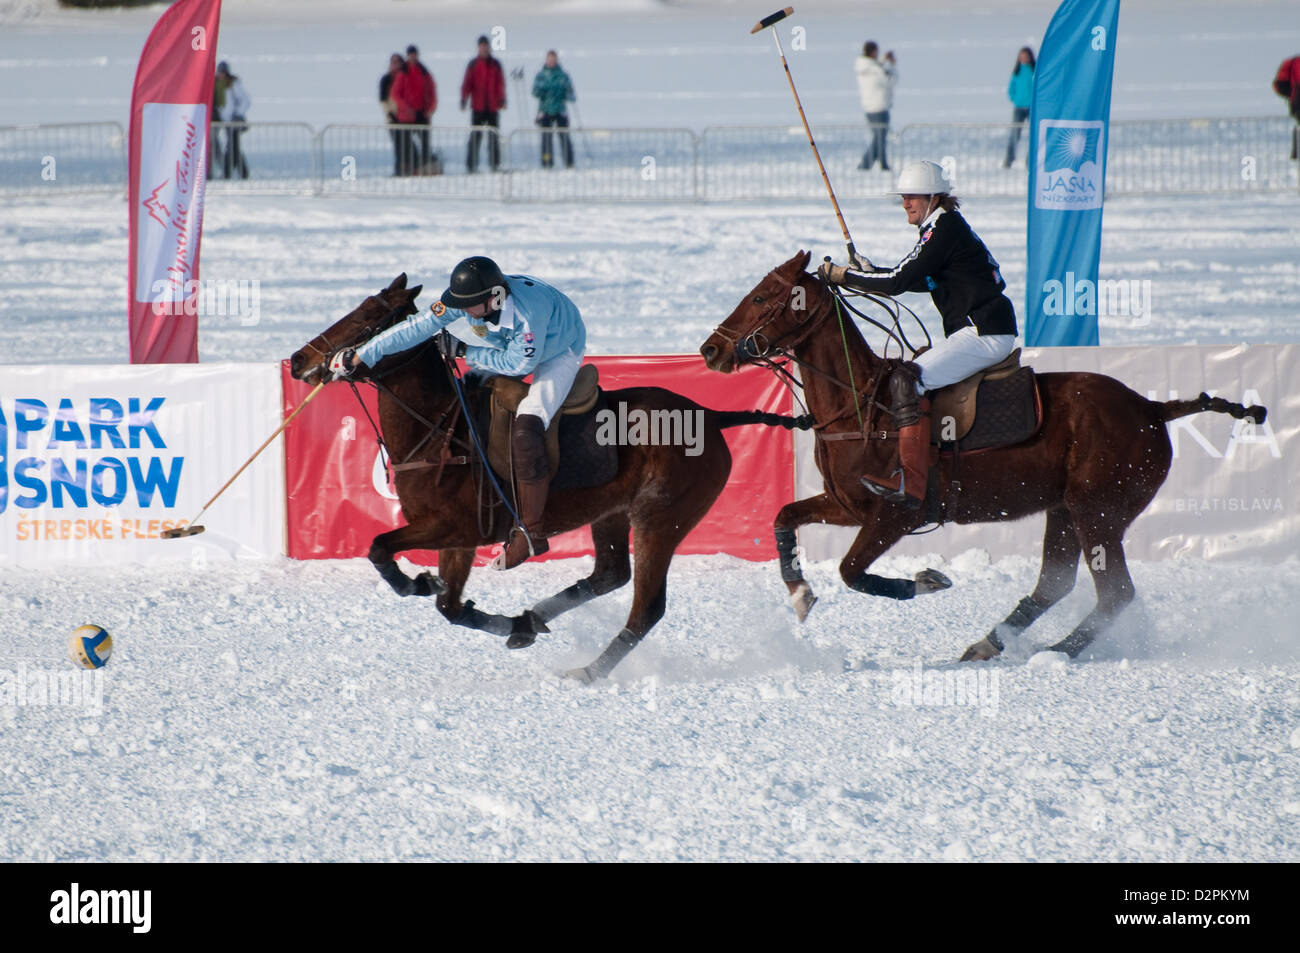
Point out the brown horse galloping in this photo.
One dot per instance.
(1101, 455)
(659, 491)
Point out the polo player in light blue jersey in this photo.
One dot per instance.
(521, 325)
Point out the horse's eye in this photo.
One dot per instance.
(758, 299)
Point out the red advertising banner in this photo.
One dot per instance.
(170, 106)
(339, 498)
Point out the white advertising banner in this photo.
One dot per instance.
(97, 460)
(1232, 492)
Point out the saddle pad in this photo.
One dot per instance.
(1008, 411)
(575, 459)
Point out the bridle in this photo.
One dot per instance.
(388, 320)
(755, 345)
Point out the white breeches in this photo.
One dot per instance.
(551, 382)
(960, 355)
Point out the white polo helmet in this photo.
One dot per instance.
(922, 178)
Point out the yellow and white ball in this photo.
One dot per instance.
(90, 646)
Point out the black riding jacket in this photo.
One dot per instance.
(951, 263)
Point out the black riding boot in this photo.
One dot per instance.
(533, 477)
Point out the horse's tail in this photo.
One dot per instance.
(738, 418)
(1173, 409)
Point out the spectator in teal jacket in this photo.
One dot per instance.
(1021, 93)
(553, 89)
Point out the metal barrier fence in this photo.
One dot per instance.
(263, 157)
(1201, 155)
(62, 158)
(643, 165)
(409, 160)
(748, 162)
(672, 165)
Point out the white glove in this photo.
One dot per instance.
(342, 363)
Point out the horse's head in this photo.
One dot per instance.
(775, 314)
(377, 313)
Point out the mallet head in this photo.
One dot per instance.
(181, 531)
(775, 18)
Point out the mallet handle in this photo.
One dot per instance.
(816, 154)
(266, 443)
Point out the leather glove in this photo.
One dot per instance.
(342, 363)
(831, 273)
(860, 262)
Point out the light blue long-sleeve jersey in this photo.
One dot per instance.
(537, 323)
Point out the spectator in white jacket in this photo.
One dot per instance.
(233, 103)
(876, 89)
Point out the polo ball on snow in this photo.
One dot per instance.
(90, 646)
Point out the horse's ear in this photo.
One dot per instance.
(411, 295)
(797, 263)
(398, 283)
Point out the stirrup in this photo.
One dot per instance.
(891, 495)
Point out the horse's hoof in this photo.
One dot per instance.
(981, 651)
(931, 580)
(579, 675)
(803, 600)
(427, 584)
(520, 640)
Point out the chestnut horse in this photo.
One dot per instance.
(1099, 458)
(659, 491)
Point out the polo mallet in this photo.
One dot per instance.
(193, 529)
(763, 24)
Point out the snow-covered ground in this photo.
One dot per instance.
(649, 279)
(282, 710)
(301, 711)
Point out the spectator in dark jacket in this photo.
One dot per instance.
(553, 90)
(1287, 85)
(416, 95)
(389, 107)
(1021, 93)
(484, 90)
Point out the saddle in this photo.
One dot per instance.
(996, 407)
(583, 463)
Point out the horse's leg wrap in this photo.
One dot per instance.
(524, 626)
(425, 584)
(874, 585)
(1022, 617)
(614, 653)
(570, 598)
(786, 543)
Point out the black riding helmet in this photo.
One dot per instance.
(474, 281)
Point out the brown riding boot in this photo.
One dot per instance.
(528, 446)
(912, 420)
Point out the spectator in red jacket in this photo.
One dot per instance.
(416, 96)
(484, 89)
(1287, 85)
